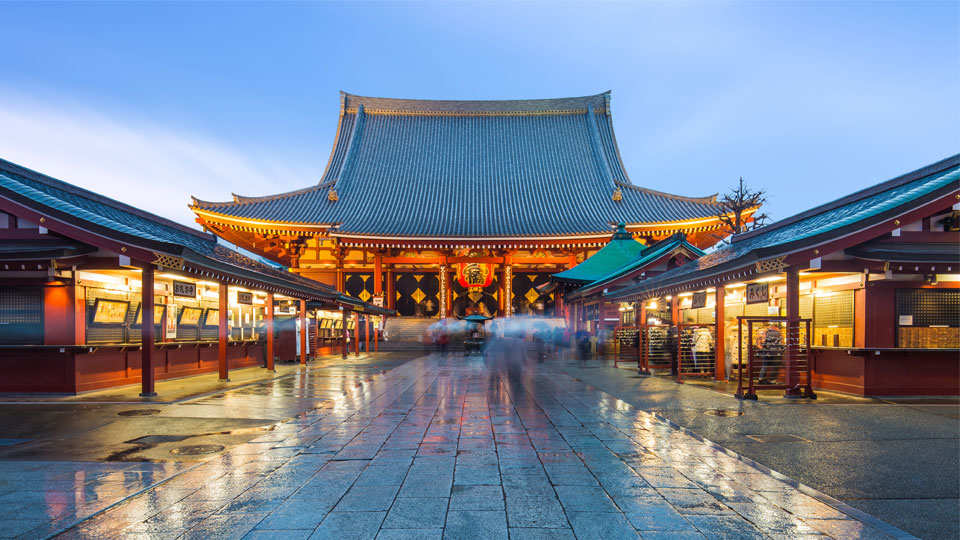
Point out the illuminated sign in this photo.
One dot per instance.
(244, 297)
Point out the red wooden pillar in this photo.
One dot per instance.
(377, 274)
(268, 312)
(793, 331)
(391, 290)
(376, 338)
(222, 333)
(356, 334)
(146, 332)
(344, 351)
(303, 332)
(720, 346)
(367, 328)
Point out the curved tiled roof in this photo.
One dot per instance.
(471, 169)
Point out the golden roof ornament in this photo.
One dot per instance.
(617, 194)
(332, 195)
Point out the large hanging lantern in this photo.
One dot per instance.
(472, 274)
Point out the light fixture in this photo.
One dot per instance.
(769, 279)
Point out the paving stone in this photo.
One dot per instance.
(538, 512)
(540, 534)
(476, 498)
(585, 499)
(416, 513)
(601, 526)
(349, 526)
(410, 534)
(472, 524)
(367, 499)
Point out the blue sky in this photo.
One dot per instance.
(153, 102)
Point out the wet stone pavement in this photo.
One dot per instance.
(469, 448)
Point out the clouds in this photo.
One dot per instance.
(141, 161)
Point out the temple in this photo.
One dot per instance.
(436, 208)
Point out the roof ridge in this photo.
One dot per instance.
(50, 181)
(567, 105)
(897, 181)
(708, 199)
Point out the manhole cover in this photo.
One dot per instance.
(157, 439)
(777, 438)
(724, 412)
(197, 449)
(139, 412)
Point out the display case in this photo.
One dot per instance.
(928, 318)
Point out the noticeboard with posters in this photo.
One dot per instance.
(110, 311)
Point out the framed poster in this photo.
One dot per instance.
(184, 288)
(699, 300)
(758, 293)
(110, 311)
(190, 316)
(157, 314)
(171, 329)
(244, 298)
(212, 317)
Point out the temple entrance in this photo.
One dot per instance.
(418, 294)
(359, 285)
(527, 300)
(480, 300)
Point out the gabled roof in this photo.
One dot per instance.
(649, 256)
(825, 223)
(115, 221)
(470, 169)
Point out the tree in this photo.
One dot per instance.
(734, 210)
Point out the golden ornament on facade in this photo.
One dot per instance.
(332, 195)
(617, 194)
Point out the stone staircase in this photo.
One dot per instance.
(405, 333)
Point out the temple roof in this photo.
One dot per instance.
(826, 223)
(470, 169)
(114, 221)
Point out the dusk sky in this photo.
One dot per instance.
(151, 103)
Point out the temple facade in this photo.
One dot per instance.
(442, 208)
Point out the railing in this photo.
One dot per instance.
(697, 350)
(658, 348)
(776, 353)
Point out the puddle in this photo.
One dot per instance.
(197, 449)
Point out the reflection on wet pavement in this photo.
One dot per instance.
(466, 448)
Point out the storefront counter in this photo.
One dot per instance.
(887, 371)
(80, 368)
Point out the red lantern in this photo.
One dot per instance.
(473, 274)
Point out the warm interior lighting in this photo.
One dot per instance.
(712, 289)
(683, 295)
(652, 304)
(736, 285)
(668, 297)
(769, 279)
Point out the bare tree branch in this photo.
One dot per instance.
(734, 207)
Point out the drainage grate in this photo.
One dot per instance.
(723, 412)
(157, 439)
(139, 412)
(777, 438)
(197, 449)
(13, 442)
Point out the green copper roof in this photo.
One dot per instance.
(621, 251)
(648, 256)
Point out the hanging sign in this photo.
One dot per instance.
(244, 297)
(378, 301)
(171, 328)
(473, 274)
(758, 293)
(699, 300)
(184, 288)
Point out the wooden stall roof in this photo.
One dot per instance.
(837, 224)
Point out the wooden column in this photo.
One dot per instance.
(268, 315)
(720, 345)
(444, 291)
(303, 332)
(367, 327)
(376, 338)
(340, 276)
(508, 287)
(640, 309)
(346, 333)
(391, 290)
(792, 337)
(356, 334)
(378, 273)
(222, 333)
(146, 332)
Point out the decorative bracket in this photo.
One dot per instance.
(167, 261)
(771, 265)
